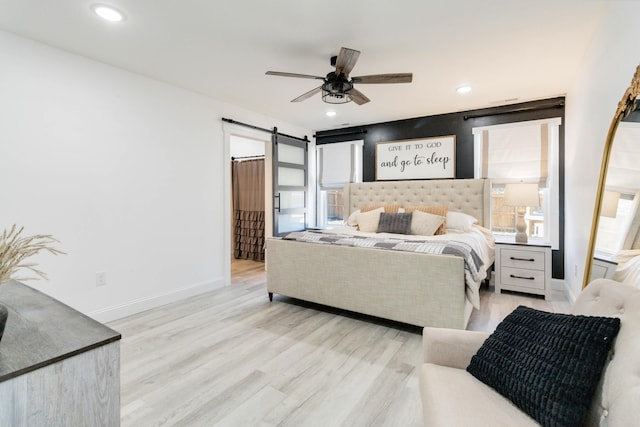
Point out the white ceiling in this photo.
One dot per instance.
(509, 51)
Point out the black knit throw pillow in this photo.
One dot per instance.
(399, 223)
(547, 364)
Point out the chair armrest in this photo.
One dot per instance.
(451, 347)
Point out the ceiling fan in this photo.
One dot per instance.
(337, 86)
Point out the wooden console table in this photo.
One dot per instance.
(58, 367)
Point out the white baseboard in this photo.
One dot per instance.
(571, 296)
(116, 312)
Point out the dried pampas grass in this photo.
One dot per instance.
(14, 249)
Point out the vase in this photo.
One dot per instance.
(3, 319)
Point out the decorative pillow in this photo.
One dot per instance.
(368, 221)
(460, 221)
(353, 221)
(353, 218)
(387, 208)
(425, 224)
(435, 210)
(547, 364)
(399, 223)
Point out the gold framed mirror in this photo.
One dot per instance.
(618, 186)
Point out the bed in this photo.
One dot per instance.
(422, 289)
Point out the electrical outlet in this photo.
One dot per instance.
(575, 271)
(101, 278)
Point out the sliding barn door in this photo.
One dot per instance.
(289, 184)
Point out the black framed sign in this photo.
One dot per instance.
(427, 158)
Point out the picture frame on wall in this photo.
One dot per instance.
(425, 158)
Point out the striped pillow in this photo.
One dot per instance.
(387, 208)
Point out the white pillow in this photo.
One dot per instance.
(368, 221)
(425, 224)
(460, 221)
(353, 220)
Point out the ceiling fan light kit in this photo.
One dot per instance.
(335, 98)
(337, 87)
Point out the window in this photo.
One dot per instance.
(338, 164)
(521, 152)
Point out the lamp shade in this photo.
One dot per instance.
(521, 195)
(610, 201)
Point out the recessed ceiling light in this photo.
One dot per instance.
(464, 89)
(108, 13)
(330, 113)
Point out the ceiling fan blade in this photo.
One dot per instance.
(301, 76)
(384, 78)
(347, 59)
(307, 94)
(358, 97)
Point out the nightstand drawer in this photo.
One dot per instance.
(522, 259)
(524, 278)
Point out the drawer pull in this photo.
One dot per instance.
(522, 277)
(522, 259)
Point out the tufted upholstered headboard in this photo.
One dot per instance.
(471, 196)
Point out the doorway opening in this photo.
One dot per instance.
(250, 177)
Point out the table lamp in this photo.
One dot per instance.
(521, 195)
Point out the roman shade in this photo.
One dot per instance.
(338, 163)
(623, 174)
(516, 154)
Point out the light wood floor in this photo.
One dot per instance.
(232, 358)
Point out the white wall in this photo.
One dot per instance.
(246, 147)
(591, 104)
(127, 172)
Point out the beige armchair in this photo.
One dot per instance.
(453, 397)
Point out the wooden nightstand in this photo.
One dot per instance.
(523, 268)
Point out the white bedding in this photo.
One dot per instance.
(479, 238)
